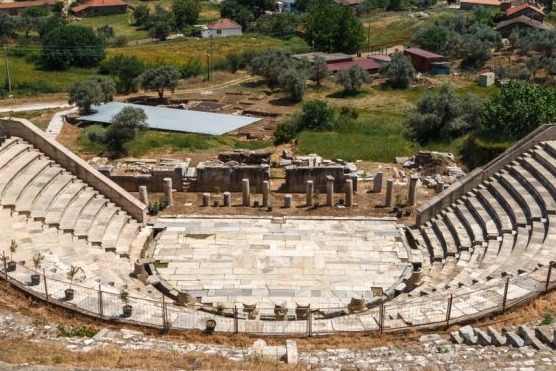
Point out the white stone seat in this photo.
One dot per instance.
(536, 188)
(528, 203)
(49, 193)
(101, 222)
(113, 230)
(98, 208)
(74, 209)
(126, 237)
(448, 239)
(481, 214)
(21, 181)
(506, 222)
(26, 198)
(58, 204)
(453, 222)
(433, 243)
(468, 220)
(507, 200)
(17, 165)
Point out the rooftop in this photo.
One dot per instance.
(422, 53)
(98, 4)
(26, 4)
(223, 24)
(521, 7)
(365, 63)
(172, 119)
(482, 2)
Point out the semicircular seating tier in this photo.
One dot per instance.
(504, 226)
(48, 210)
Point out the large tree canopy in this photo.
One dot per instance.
(399, 71)
(86, 93)
(519, 108)
(160, 79)
(125, 69)
(334, 28)
(71, 45)
(124, 126)
(186, 12)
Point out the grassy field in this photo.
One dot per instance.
(121, 23)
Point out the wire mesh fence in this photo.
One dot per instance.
(440, 309)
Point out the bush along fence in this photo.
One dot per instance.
(401, 313)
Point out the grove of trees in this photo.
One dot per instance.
(84, 94)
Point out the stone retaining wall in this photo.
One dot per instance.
(153, 181)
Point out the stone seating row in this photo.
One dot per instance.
(507, 218)
(33, 185)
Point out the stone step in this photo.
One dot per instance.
(447, 237)
(458, 229)
(11, 153)
(504, 221)
(543, 174)
(528, 203)
(537, 189)
(528, 334)
(17, 165)
(113, 230)
(512, 207)
(75, 208)
(49, 193)
(433, 243)
(53, 215)
(482, 216)
(97, 229)
(93, 216)
(26, 198)
(19, 183)
(126, 237)
(473, 225)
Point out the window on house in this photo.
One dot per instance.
(219, 32)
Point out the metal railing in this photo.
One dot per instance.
(402, 313)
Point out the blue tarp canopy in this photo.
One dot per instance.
(172, 119)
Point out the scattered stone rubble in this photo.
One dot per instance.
(256, 157)
(432, 352)
(135, 166)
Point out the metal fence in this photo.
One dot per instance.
(402, 313)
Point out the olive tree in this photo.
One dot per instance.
(160, 79)
(124, 126)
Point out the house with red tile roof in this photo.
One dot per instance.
(221, 28)
(505, 28)
(470, 4)
(94, 8)
(526, 10)
(18, 7)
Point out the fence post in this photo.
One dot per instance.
(381, 316)
(310, 322)
(100, 306)
(548, 276)
(5, 267)
(505, 295)
(45, 285)
(164, 315)
(236, 320)
(449, 310)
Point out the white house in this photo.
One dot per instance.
(221, 28)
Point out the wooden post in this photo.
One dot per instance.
(5, 267)
(100, 306)
(381, 316)
(236, 320)
(449, 310)
(45, 286)
(310, 322)
(505, 295)
(548, 276)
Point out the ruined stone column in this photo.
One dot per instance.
(227, 198)
(329, 190)
(412, 190)
(389, 189)
(288, 201)
(206, 199)
(310, 191)
(377, 183)
(349, 192)
(168, 190)
(439, 186)
(245, 192)
(143, 195)
(266, 193)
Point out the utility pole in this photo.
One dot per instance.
(368, 37)
(7, 69)
(211, 56)
(208, 65)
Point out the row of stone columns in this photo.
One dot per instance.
(144, 197)
(310, 193)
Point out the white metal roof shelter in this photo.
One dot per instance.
(172, 119)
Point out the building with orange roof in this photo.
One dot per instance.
(526, 10)
(94, 8)
(470, 4)
(18, 7)
(221, 28)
